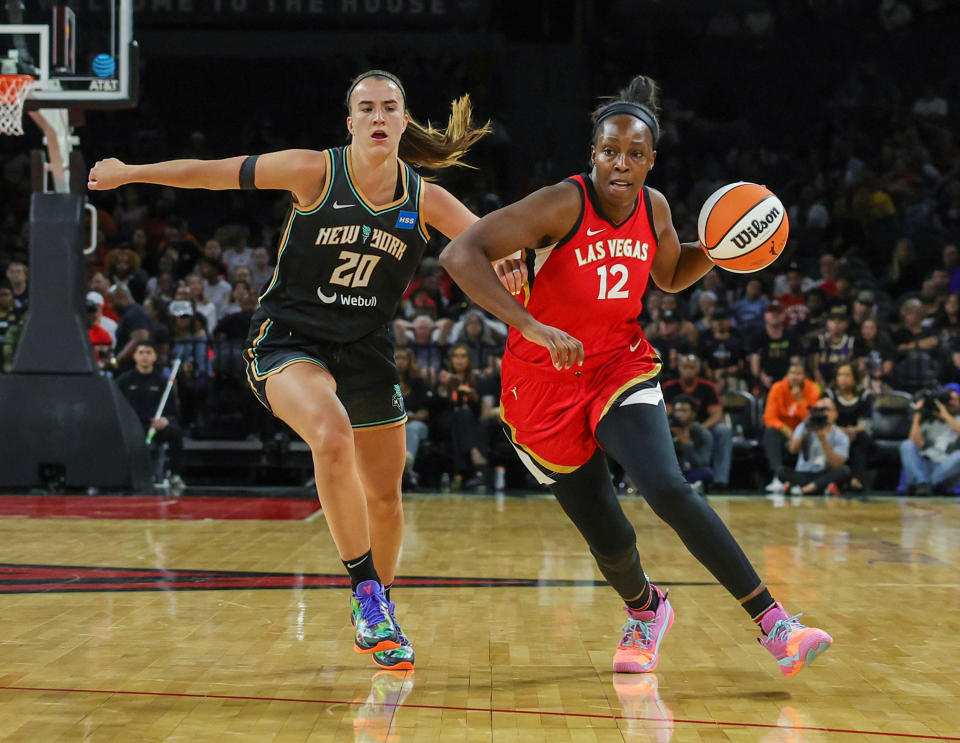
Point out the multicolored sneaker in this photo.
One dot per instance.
(397, 659)
(647, 717)
(791, 643)
(639, 648)
(369, 614)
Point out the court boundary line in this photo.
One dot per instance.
(491, 710)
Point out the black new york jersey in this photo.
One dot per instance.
(344, 263)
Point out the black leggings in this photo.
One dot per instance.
(638, 437)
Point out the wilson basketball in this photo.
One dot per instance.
(743, 227)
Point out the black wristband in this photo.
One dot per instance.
(247, 171)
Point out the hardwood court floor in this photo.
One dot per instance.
(144, 630)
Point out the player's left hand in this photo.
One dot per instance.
(512, 273)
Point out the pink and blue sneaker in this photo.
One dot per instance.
(639, 648)
(793, 645)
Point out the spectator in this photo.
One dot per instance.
(864, 308)
(946, 322)
(215, 286)
(434, 283)
(189, 344)
(854, 405)
(709, 413)
(712, 283)
(687, 329)
(122, 267)
(828, 274)
(456, 416)
(917, 348)
(874, 355)
(8, 316)
(474, 331)
(198, 296)
(423, 337)
(834, 346)
(931, 453)
(670, 343)
(773, 349)
(102, 320)
(787, 405)
(692, 443)
(722, 352)
(17, 276)
(143, 386)
(904, 272)
(134, 326)
(235, 251)
(708, 305)
(822, 450)
(809, 331)
(748, 312)
(416, 402)
(261, 271)
(237, 315)
(792, 300)
(100, 340)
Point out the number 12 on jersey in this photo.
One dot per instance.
(621, 274)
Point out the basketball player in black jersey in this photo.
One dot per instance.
(319, 356)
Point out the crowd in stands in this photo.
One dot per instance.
(864, 302)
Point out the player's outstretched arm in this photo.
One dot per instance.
(302, 172)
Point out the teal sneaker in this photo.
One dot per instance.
(371, 618)
(399, 658)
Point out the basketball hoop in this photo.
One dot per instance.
(13, 92)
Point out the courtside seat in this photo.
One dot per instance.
(890, 421)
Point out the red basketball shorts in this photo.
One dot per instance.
(551, 415)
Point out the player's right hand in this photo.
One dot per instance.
(106, 174)
(565, 350)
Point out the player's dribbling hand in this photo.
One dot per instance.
(512, 273)
(565, 350)
(105, 175)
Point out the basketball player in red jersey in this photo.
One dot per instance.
(580, 377)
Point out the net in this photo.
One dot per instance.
(13, 92)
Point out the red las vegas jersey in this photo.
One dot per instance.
(591, 283)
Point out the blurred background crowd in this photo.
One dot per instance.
(851, 117)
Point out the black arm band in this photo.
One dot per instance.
(247, 171)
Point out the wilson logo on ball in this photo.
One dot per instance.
(746, 236)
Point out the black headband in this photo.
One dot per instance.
(376, 73)
(637, 111)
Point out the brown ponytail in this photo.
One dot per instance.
(442, 148)
(426, 146)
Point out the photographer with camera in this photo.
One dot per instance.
(822, 450)
(692, 442)
(931, 453)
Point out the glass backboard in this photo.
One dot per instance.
(81, 52)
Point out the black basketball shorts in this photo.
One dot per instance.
(364, 370)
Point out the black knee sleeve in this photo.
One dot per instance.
(623, 571)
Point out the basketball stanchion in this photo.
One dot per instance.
(13, 93)
(163, 400)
